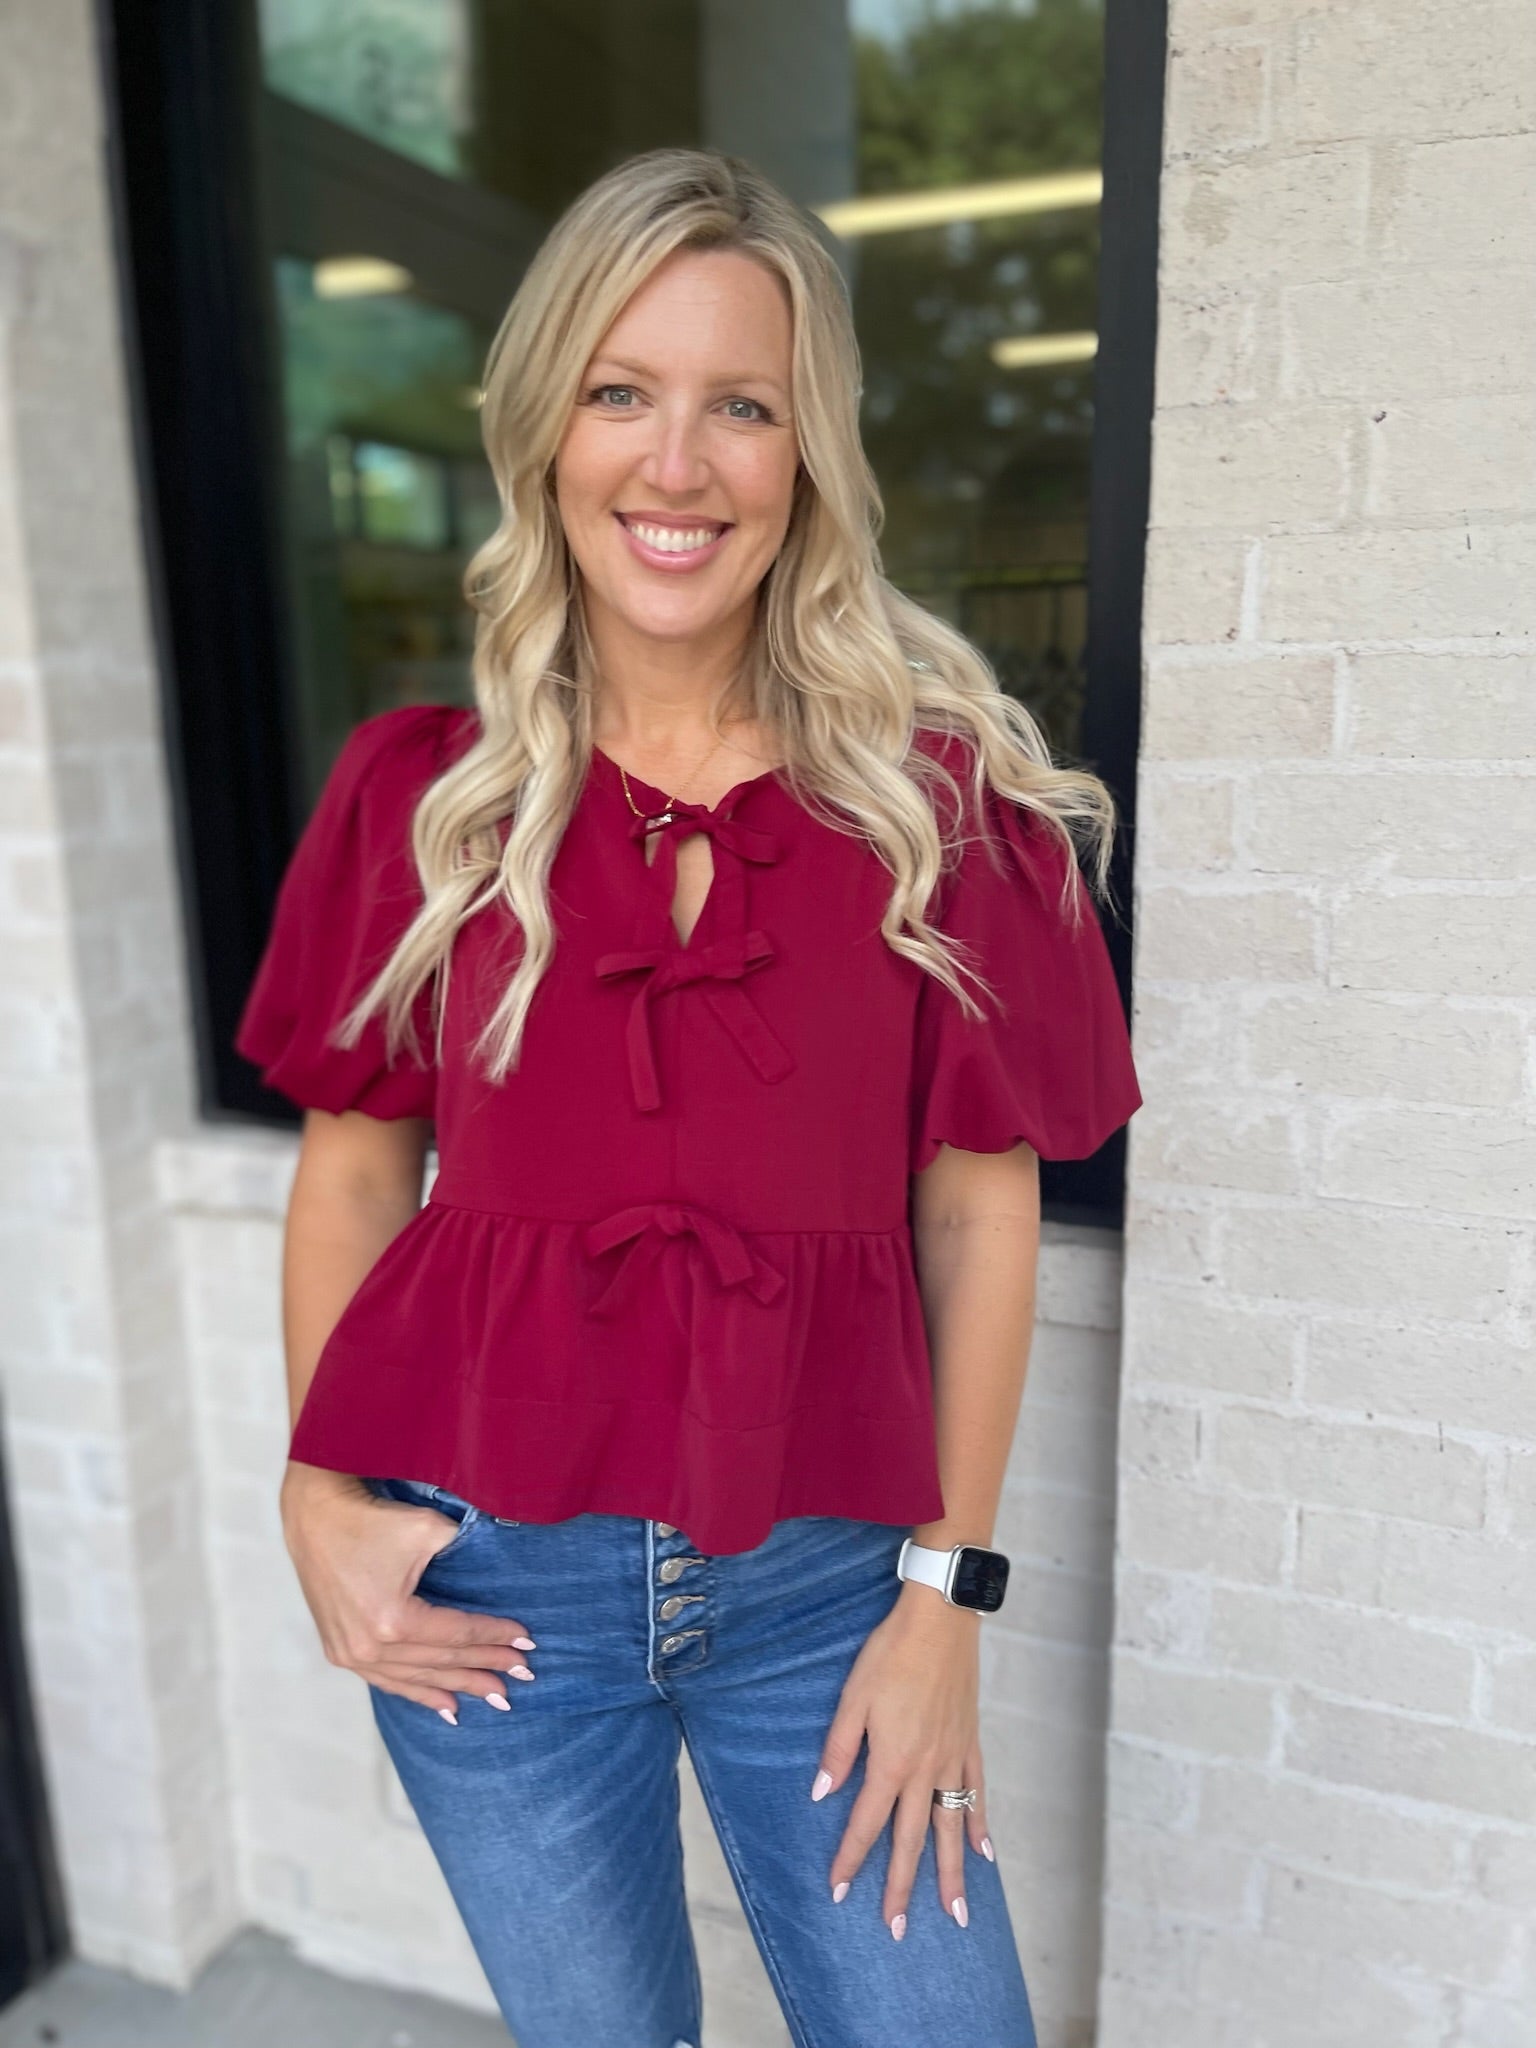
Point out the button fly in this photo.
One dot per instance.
(671, 1608)
(665, 1529)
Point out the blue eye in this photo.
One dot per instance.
(759, 409)
(600, 391)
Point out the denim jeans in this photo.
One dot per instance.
(556, 1825)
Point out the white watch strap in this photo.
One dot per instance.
(928, 1567)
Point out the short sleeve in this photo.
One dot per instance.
(346, 897)
(1049, 1060)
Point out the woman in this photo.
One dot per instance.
(735, 943)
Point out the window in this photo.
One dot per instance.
(327, 204)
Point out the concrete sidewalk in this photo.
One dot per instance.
(253, 1994)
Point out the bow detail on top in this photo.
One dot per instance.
(646, 1229)
(719, 966)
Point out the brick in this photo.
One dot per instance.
(1439, 1936)
(1474, 1380)
(1248, 709)
(1168, 1238)
(1464, 1578)
(1503, 1867)
(1400, 585)
(1377, 824)
(1337, 1258)
(1226, 934)
(1183, 822)
(1251, 467)
(1318, 2000)
(1147, 1786)
(1338, 1464)
(1476, 1163)
(1185, 1339)
(1455, 70)
(1459, 457)
(1214, 1143)
(1512, 1692)
(1173, 1526)
(1435, 942)
(1202, 1879)
(1447, 707)
(1216, 346)
(1229, 220)
(1161, 1615)
(1217, 98)
(1430, 1761)
(1194, 587)
(1389, 336)
(1338, 1649)
(1193, 1711)
(1456, 202)
(1158, 1437)
(1340, 1831)
(1339, 1043)
(1189, 1035)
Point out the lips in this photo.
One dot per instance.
(668, 543)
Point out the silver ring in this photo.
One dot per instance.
(963, 1801)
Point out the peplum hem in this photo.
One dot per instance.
(657, 1361)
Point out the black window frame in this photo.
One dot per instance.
(184, 103)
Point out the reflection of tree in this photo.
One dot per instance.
(990, 92)
(984, 470)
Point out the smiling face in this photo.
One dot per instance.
(675, 474)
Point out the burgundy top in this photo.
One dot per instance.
(665, 1268)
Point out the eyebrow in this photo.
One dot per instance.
(733, 377)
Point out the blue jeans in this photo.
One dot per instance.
(556, 1825)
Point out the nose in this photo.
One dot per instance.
(675, 461)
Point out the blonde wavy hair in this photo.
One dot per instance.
(846, 672)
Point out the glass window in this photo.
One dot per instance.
(419, 149)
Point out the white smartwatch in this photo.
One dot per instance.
(967, 1576)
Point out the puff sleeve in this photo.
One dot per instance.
(1050, 1058)
(346, 896)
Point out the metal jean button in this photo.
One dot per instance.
(665, 1529)
(673, 1606)
(672, 1568)
(671, 1643)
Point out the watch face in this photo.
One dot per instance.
(981, 1579)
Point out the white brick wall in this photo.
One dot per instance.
(94, 1062)
(1322, 1755)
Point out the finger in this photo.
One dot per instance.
(871, 1809)
(949, 1856)
(976, 1823)
(433, 1696)
(909, 1831)
(433, 1657)
(429, 1623)
(443, 1686)
(840, 1751)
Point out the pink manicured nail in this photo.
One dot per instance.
(840, 1892)
(822, 1786)
(958, 1909)
(987, 1849)
(899, 1927)
(449, 1716)
(524, 1643)
(495, 1699)
(519, 1671)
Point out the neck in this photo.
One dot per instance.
(653, 695)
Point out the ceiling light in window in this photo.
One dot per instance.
(359, 277)
(1040, 351)
(889, 213)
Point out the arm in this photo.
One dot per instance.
(359, 1558)
(913, 1691)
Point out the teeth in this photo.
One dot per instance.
(673, 540)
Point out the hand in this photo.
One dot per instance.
(913, 1692)
(359, 1559)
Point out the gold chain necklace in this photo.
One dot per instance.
(664, 816)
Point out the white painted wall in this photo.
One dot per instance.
(1322, 1758)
